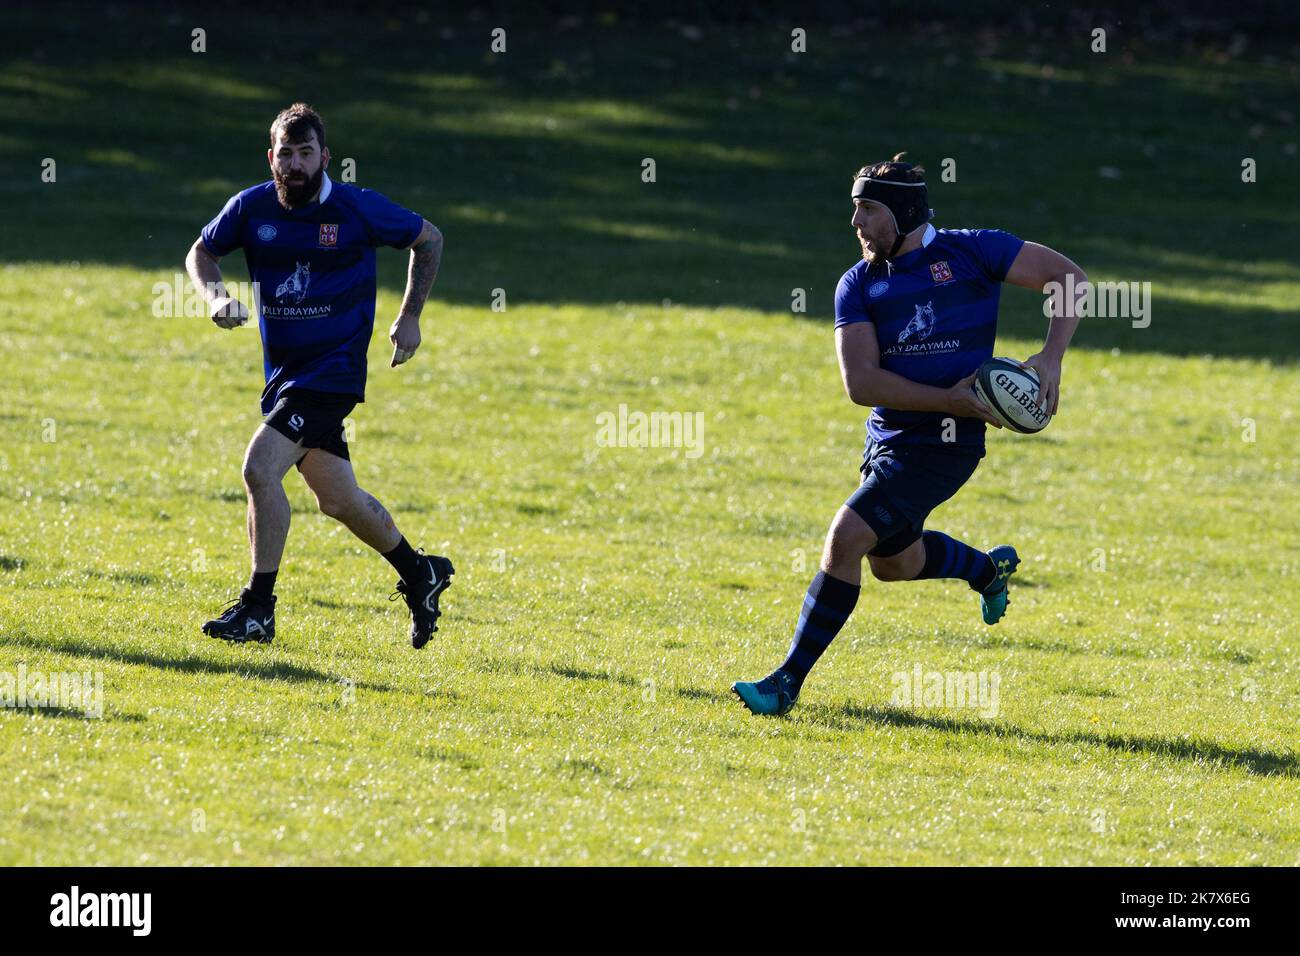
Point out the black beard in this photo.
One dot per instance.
(292, 195)
(877, 255)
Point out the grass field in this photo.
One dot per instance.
(574, 707)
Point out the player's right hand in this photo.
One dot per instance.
(964, 403)
(228, 313)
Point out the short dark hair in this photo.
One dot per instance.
(893, 171)
(297, 123)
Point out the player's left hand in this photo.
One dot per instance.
(1048, 368)
(405, 336)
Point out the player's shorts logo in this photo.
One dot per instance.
(941, 272)
(296, 285)
(295, 422)
(921, 326)
(329, 234)
(878, 289)
(266, 233)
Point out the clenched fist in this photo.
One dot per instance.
(405, 336)
(228, 313)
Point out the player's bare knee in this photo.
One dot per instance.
(333, 506)
(849, 540)
(887, 570)
(842, 550)
(338, 499)
(257, 476)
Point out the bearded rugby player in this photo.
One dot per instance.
(913, 321)
(310, 246)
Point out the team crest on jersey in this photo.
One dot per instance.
(296, 285)
(266, 233)
(918, 338)
(878, 289)
(921, 326)
(940, 271)
(329, 234)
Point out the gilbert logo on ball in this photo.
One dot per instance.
(1011, 393)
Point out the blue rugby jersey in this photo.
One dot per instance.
(314, 267)
(935, 310)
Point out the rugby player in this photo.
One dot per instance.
(914, 319)
(309, 243)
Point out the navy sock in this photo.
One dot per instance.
(261, 586)
(946, 557)
(826, 607)
(404, 560)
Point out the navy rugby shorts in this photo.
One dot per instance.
(902, 485)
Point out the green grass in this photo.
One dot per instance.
(574, 707)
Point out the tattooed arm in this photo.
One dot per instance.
(426, 254)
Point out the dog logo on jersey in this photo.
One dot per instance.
(329, 234)
(296, 285)
(941, 272)
(921, 326)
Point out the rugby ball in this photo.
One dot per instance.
(1011, 393)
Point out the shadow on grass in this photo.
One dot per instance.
(1253, 760)
(982, 641)
(457, 758)
(608, 677)
(72, 712)
(579, 673)
(531, 164)
(347, 605)
(189, 664)
(569, 672)
(718, 697)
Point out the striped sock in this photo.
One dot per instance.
(946, 557)
(826, 607)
